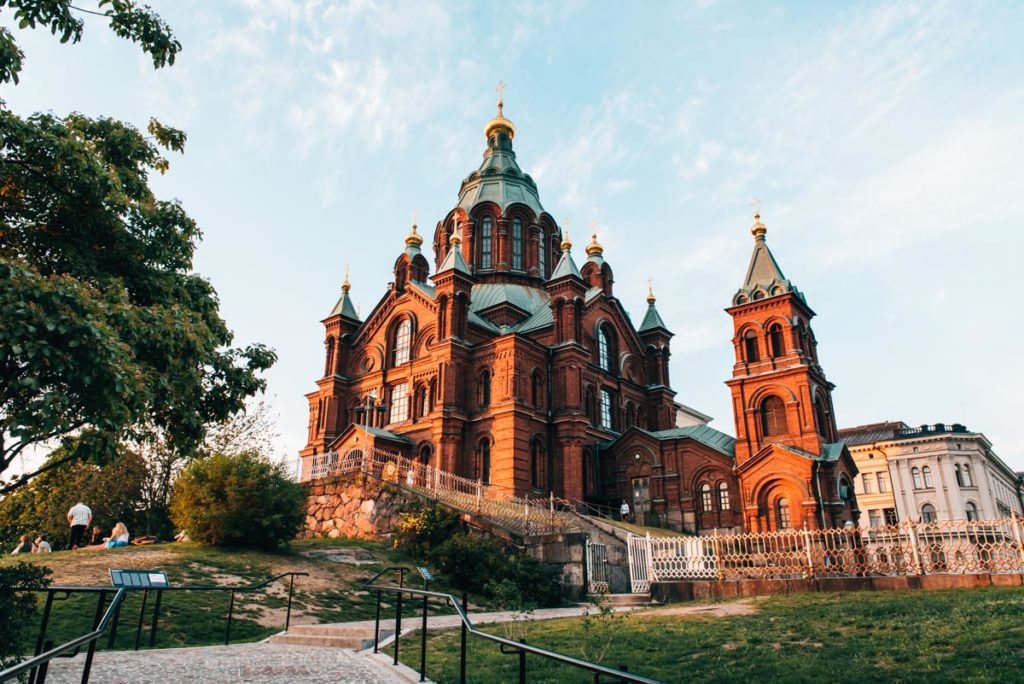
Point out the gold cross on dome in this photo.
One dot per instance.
(501, 90)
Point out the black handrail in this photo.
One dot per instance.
(520, 647)
(42, 660)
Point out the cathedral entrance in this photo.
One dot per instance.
(641, 499)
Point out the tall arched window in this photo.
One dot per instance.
(517, 244)
(483, 461)
(486, 229)
(915, 473)
(750, 349)
(329, 365)
(536, 390)
(775, 337)
(820, 415)
(399, 403)
(706, 504)
(782, 520)
(773, 416)
(968, 482)
(538, 466)
(723, 496)
(927, 472)
(604, 352)
(928, 514)
(483, 391)
(403, 341)
(425, 452)
(959, 476)
(607, 409)
(542, 253)
(971, 510)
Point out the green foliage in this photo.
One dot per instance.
(18, 608)
(424, 526)
(239, 500)
(127, 19)
(481, 565)
(112, 491)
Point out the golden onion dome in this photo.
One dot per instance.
(499, 124)
(758, 230)
(413, 238)
(594, 248)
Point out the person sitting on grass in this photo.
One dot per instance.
(118, 537)
(97, 536)
(24, 545)
(41, 545)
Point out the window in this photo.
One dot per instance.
(604, 354)
(968, 482)
(927, 472)
(630, 415)
(775, 337)
(537, 390)
(750, 347)
(399, 403)
(883, 483)
(483, 389)
(403, 340)
(874, 518)
(928, 514)
(773, 416)
(329, 365)
(915, 473)
(959, 475)
(425, 453)
(542, 250)
(483, 461)
(485, 242)
(866, 481)
(890, 516)
(705, 498)
(971, 510)
(517, 244)
(782, 520)
(723, 496)
(538, 465)
(607, 413)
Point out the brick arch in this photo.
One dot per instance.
(421, 338)
(758, 396)
(767, 495)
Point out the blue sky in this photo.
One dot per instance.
(884, 141)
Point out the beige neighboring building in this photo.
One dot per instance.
(928, 473)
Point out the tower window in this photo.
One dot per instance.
(782, 519)
(484, 389)
(773, 417)
(399, 403)
(485, 242)
(483, 461)
(723, 496)
(517, 244)
(750, 349)
(607, 411)
(604, 354)
(538, 466)
(775, 337)
(705, 498)
(403, 340)
(542, 251)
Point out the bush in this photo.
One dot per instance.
(484, 566)
(238, 500)
(424, 526)
(18, 608)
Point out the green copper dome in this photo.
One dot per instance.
(499, 178)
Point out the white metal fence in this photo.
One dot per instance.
(527, 515)
(948, 547)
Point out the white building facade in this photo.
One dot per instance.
(929, 473)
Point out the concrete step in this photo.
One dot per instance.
(339, 630)
(330, 636)
(627, 599)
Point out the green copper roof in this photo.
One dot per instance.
(566, 267)
(345, 307)
(708, 436)
(764, 276)
(453, 261)
(499, 179)
(652, 320)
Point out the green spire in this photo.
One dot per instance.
(652, 320)
(344, 307)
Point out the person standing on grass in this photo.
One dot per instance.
(79, 517)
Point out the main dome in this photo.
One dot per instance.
(499, 178)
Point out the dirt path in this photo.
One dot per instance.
(741, 607)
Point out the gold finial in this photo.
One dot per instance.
(566, 242)
(650, 291)
(499, 122)
(413, 238)
(455, 240)
(758, 230)
(345, 285)
(594, 248)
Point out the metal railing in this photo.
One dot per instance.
(112, 616)
(523, 514)
(905, 549)
(602, 674)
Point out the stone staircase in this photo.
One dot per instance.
(353, 637)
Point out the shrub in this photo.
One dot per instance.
(238, 500)
(18, 608)
(424, 526)
(482, 565)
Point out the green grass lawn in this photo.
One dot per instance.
(332, 592)
(971, 635)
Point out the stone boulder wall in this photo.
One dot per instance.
(353, 507)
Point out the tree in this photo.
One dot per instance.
(18, 608)
(240, 500)
(107, 333)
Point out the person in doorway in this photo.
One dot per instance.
(79, 517)
(624, 510)
(24, 545)
(42, 546)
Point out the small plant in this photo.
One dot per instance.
(509, 597)
(598, 624)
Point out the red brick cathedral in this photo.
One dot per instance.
(514, 365)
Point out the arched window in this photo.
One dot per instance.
(971, 510)
(821, 416)
(968, 482)
(773, 417)
(421, 402)
(329, 365)
(915, 473)
(750, 350)
(959, 476)
(537, 390)
(425, 452)
(403, 340)
(517, 244)
(590, 408)
(538, 466)
(399, 403)
(607, 409)
(927, 472)
(485, 242)
(723, 496)
(604, 352)
(782, 520)
(630, 415)
(483, 461)
(705, 498)
(928, 514)
(775, 337)
(542, 252)
(483, 389)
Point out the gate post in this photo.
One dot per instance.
(807, 550)
(479, 494)
(650, 562)
(912, 531)
(715, 555)
(1015, 524)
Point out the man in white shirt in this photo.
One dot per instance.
(79, 517)
(624, 510)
